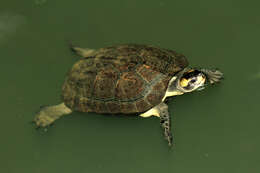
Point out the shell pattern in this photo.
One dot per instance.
(121, 79)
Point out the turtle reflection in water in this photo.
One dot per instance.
(127, 79)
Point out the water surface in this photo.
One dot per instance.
(216, 130)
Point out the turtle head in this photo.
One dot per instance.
(190, 80)
(185, 81)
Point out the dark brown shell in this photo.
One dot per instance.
(121, 79)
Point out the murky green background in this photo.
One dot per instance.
(216, 130)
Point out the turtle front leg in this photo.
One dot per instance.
(165, 122)
(162, 112)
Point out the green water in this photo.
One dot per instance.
(216, 130)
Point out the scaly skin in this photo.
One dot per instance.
(48, 114)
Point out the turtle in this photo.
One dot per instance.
(127, 79)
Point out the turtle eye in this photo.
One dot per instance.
(193, 80)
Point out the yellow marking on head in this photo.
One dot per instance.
(184, 82)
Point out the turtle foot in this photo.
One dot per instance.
(43, 118)
(48, 114)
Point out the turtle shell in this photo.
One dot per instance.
(121, 79)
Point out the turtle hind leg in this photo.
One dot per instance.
(83, 52)
(48, 114)
(165, 122)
